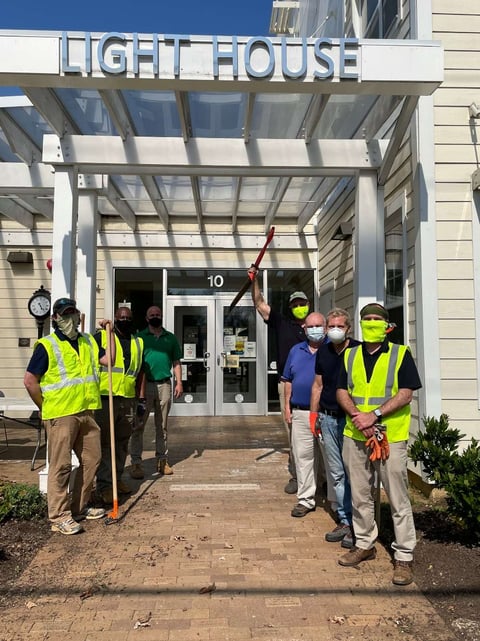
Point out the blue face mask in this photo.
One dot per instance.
(315, 334)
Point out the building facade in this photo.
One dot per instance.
(149, 169)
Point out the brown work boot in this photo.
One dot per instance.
(357, 555)
(164, 468)
(402, 572)
(107, 496)
(123, 488)
(136, 471)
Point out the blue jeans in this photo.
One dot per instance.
(332, 432)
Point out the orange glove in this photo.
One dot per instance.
(376, 450)
(313, 423)
(384, 447)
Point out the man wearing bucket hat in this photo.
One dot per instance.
(288, 332)
(62, 378)
(375, 387)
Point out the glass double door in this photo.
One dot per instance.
(223, 356)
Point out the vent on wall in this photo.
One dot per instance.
(20, 257)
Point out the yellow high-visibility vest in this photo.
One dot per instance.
(382, 386)
(123, 382)
(71, 383)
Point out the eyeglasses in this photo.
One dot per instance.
(309, 326)
(124, 318)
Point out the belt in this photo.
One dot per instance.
(162, 380)
(305, 408)
(334, 413)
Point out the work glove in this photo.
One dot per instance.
(378, 444)
(315, 425)
(141, 407)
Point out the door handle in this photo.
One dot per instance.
(205, 356)
(221, 359)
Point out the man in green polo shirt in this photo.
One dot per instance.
(161, 354)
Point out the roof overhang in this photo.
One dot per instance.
(304, 111)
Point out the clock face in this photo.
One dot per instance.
(39, 305)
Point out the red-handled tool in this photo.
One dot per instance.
(256, 264)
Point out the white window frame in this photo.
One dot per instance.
(395, 214)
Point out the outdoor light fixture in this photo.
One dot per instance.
(344, 231)
(20, 257)
(474, 110)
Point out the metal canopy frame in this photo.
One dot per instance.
(202, 150)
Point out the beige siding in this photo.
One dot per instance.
(457, 25)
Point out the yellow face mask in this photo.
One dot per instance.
(374, 331)
(300, 312)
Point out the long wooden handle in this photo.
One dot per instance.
(114, 513)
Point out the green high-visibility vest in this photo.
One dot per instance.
(71, 383)
(123, 382)
(382, 386)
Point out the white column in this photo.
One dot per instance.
(87, 257)
(64, 233)
(426, 282)
(369, 244)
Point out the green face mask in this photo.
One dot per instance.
(300, 312)
(374, 331)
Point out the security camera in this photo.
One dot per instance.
(474, 110)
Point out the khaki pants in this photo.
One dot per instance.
(393, 476)
(288, 429)
(159, 398)
(81, 434)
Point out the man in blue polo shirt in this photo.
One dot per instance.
(298, 376)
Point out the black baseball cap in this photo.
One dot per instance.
(64, 306)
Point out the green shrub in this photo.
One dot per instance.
(436, 449)
(21, 501)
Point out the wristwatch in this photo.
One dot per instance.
(378, 413)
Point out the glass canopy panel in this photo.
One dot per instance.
(343, 116)
(217, 194)
(177, 194)
(32, 123)
(279, 115)
(87, 110)
(217, 115)
(258, 190)
(300, 193)
(154, 113)
(135, 194)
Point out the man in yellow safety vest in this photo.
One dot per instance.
(375, 388)
(62, 378)
(125, 379)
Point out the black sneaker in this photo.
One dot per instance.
(338, 533)
(301, 510)
(291, 487)
(348, 541)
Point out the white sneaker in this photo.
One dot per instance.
(69, 526)
(91, 514)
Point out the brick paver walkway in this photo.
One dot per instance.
(211, 554)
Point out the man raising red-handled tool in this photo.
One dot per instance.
(289, 330)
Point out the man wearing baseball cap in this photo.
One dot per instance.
(62, 378)
(375, 387)
(288, 332)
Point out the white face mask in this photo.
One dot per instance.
(336, 335)
(315, 334)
